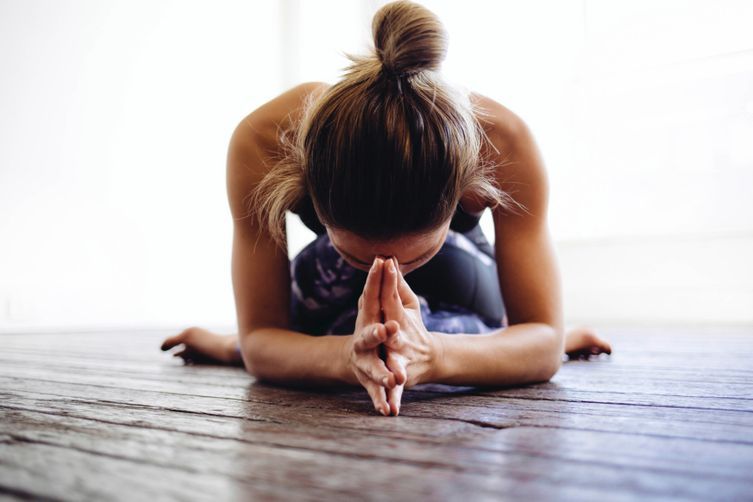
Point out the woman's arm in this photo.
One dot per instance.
(519, 354)
(261, 273)
(284, 356)
(531, 348)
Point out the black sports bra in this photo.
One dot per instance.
(462, 221)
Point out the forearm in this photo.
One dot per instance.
(518, 354)
(284, 356)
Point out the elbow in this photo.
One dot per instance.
(250, 364)
(257, 367)
(551, 354)
(252, 353)
(550, 368)
(252, 367)
(264, 354)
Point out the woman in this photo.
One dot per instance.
(392, 168)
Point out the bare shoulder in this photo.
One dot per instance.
(255, 143)
(263, 123)
(520, 167)
(500, 123)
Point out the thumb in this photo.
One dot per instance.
(397, 365)
(407, 296)
(390, 298)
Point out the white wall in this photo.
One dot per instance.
(116, 117)
(113, 136)
(663, 155)
(644, 113)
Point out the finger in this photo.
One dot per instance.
(377, 371)
(172, 341)
(394, 338)
(391, 304)
(377, 393)
(397, 365)
(186, 356)
(370, 338)
(407, 296)
(392, 327)
(395, 396)
(370, 303)
(600, 348)
(395, 362)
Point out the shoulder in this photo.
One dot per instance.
(263, 124)
(520, 169)
(254, 144)
(499, 122)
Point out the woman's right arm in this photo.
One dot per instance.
(261, 271)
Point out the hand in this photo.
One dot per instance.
(204, 347)
(583, 342)
(412, 351)
(362, 351)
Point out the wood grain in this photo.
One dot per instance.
(108, 416)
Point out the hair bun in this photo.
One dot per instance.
(408, 38)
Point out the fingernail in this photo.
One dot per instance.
(385, 381)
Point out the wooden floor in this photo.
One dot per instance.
(108, 416)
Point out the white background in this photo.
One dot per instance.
(116, 117)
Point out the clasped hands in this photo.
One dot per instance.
(389, 321)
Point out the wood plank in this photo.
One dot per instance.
(38, 470)
(582, 386)
(669, 415)
(582, 446)
(354, 461)
(348, 409)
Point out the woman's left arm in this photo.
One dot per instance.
(530, 349)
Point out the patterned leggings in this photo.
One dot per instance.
(458, 288)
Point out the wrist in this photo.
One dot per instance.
(344, 369)
(437, 359)
(232, 349)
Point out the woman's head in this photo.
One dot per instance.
(386, 153)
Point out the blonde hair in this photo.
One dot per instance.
(390, 149)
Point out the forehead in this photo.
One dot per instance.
(405, 249)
